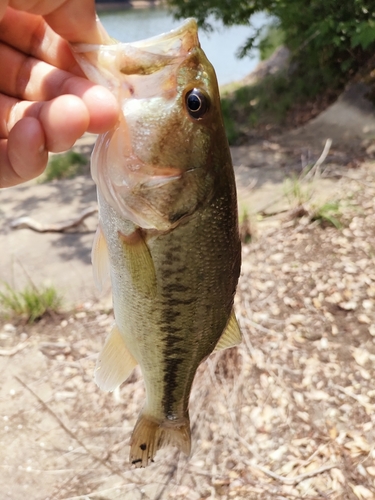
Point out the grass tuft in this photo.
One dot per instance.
(328, 214)
(32, 303)
(297, 191)
(64, 166)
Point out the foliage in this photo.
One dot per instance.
(32, 303)
(263, 103)
(64, 166)
(329, 39)
(270, 41)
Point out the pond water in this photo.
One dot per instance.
(220, 46)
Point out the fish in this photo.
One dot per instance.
(168, 234)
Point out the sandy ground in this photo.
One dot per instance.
(289, 414)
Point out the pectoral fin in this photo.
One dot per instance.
(231, 336)
(115, 363)
(139, 262)
(100, 260)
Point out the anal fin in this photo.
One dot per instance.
(231, 336)
(115, 363)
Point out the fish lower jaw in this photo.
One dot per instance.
(150, 434)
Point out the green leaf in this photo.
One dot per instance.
(365, 35)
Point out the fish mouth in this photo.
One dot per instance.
(144, 57)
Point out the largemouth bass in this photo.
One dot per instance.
(168, 232)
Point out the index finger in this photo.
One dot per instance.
(38, 39)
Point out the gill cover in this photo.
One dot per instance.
(146, 78)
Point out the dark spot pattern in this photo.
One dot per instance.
(175, 295)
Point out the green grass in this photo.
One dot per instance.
(64, 166)
(328, 214)
(299, 194)
(31, 303)
(246, 226)
(297, 191)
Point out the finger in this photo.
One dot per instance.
(83, 25)
(3, 7)
(73, 20)
(29, 78)
(63, 120)
(22, 155)
(33, 80)
(37, 39)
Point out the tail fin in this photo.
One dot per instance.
(149, 435)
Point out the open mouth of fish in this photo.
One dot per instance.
(157, 54)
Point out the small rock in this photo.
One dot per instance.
(324, 343)
(312, 335)
(334, 329)
(9, 328)
(317, 395)
(316, 303)
(335, 298)
(296, 319)
(348, 306)
(367, 304)
(277, 257)
(361, 356)
(364, 319)
(278, 454)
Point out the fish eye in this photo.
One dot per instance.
(197, 103)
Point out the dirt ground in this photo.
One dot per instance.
(287, 415)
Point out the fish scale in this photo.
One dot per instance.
(168, 229)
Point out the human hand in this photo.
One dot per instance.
(46, 104)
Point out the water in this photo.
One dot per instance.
(220, 46)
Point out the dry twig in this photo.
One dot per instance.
(13, 350)
(29, 223)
